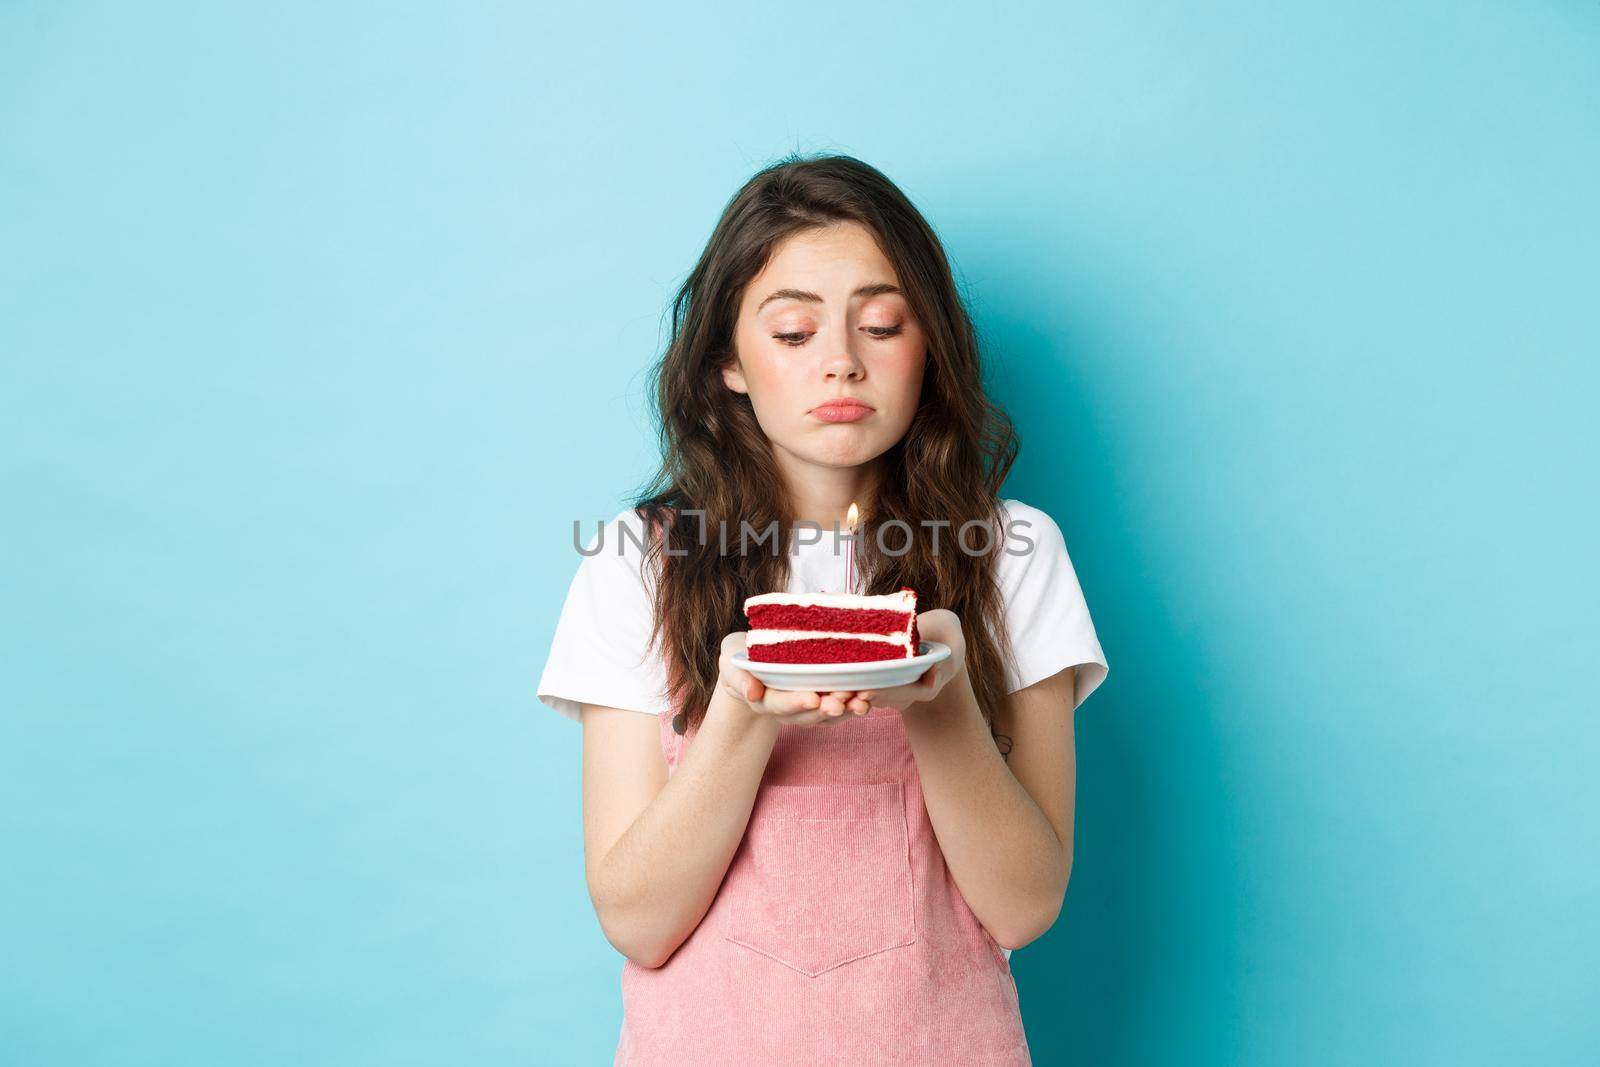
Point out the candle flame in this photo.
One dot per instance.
(852, 515)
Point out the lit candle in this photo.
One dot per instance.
(851, 518)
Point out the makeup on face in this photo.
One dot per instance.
(843, 409)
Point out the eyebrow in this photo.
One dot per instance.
(876, 289)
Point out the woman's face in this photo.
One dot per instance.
(825, 320)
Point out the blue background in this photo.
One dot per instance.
(320, 325)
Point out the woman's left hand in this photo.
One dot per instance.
(943, 626)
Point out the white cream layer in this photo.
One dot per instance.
(904, 600)
(773, 637)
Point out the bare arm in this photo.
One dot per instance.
(1003, 821)
(656, 848)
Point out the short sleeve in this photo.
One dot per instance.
(1047, 618)
(600, 653)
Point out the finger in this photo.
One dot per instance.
(844, 715)
(788, 702)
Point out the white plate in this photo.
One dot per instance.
(827, 677)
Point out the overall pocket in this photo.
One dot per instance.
(823, 875)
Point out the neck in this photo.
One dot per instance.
(823, 495)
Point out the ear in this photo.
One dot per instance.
(733, 377)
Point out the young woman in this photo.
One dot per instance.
(821, 878)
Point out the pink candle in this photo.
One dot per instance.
(850, 563)
(852, 517)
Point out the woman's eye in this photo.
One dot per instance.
(797, 339)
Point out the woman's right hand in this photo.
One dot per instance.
(784, 706)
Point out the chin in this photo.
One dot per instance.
(854, 457)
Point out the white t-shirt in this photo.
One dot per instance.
(599, 654)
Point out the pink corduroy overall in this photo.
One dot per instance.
(837, 935)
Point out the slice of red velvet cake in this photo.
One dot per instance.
(831, 627)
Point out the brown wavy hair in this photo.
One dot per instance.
(715, 458)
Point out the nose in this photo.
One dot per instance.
(841, 364)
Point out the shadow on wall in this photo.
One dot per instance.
(1141, 965)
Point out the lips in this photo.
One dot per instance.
(842, 411)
